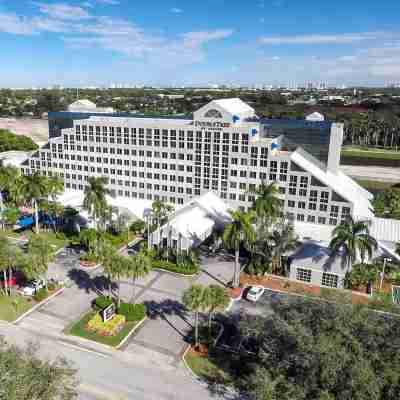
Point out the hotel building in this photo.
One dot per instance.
(224, 148)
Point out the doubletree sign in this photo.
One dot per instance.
(108, 313)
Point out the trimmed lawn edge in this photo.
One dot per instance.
(38, 305)
(101, 340)
(176, 273)
(193, 374)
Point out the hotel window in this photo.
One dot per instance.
(293, 181)
(300, 217)
(291, 203)
(322, 220)
(323, 207)
(303, 192)
(283, 167)
(334, 211)
(243, 174)
(324, 197)
(303, 274)
(301, 204)
(332, 221)
(303, 181)
(273, 165)
(345, 211)
(282, 190)
(313, 195)
(272, 177)
(330, 280)
(312, 206)
(292, 191)
(311, 218)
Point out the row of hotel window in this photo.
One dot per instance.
(334, 210)
(156, 134)
(328, 279)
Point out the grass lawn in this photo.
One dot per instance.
(58, 241)
(371, 153)
(78, 329)
(374, 186)
(11, 307)
(204, 368)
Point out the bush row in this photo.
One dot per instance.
(185, 269)
(131, 312)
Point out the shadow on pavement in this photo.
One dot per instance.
(96, 284)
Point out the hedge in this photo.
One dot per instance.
(132, 312)
(41, 294)
(184, 269)
(102, 302)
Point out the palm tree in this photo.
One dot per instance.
(10, 260)
(138, 266)
(88, 237)
(40, 254)
(33, 188)
(95, 201)
(215, 298)
(194, 298)
(107, 254)
(267, 204)
(8, 179)
(283, 239)
(353, 237)
(240, 231)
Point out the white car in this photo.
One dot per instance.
(254, 293)
(32, 287)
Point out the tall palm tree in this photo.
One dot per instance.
(240, 231)
(194, 298)
(40, 254)
(283, 239)
(95, 201)
(10, 258)
(215, 298)
(138, 266)
(33, 188)
(55, 187)
(8, 179)
(353, 237)
(267, 204)
(107, 254)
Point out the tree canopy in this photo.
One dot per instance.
(10, 141)
(311, 350)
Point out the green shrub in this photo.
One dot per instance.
(185, 269)
(132, 312)
(89, 257)
(102, 302)
(41, 294)
(51, 286)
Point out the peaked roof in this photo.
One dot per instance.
(340, 183)
(234, 106)
(82, 103)
(315, 116)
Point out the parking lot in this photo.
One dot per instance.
(166, 330)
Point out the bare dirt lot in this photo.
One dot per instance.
(36, 129)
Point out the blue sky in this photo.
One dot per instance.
(178, 42)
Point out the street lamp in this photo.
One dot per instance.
(385, 260)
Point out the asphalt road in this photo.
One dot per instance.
(373, 173)
(113, 375)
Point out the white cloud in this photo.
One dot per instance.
(63, 11)
(176, 10)
(345, 38)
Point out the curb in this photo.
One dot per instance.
(193, 375)
(137, 326)
(176, 273)
(35, 307)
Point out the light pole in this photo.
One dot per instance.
(385, 260)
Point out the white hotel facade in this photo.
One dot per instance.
(224, 148)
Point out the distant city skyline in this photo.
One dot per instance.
(186, 43)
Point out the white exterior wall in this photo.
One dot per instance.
(144, 161)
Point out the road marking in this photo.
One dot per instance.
(99, 393)
(76, 347)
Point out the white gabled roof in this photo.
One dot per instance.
(234, 106)
(315, 116)
(340, 183)
(82, 104)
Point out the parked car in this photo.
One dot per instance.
(16, 278)
(254, 293)
(32, 287)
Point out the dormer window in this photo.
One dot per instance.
(212, 114)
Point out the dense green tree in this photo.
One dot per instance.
(11, 142)
(353, 237)
(313, 350)
(24, 376)
(237, 233)
(10, 260)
